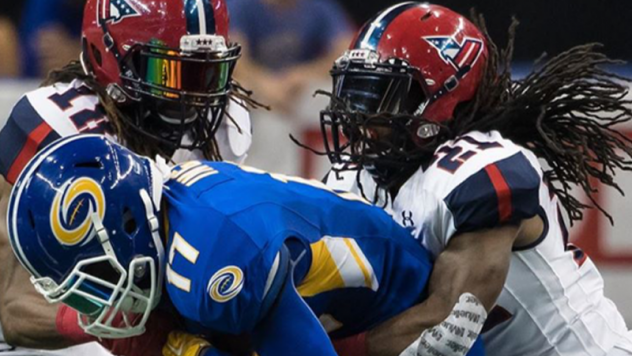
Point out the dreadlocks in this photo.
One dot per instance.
(121, 126)
(566, 112)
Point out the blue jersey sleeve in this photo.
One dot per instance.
(217, 275)
(505, 191)
(23, 135)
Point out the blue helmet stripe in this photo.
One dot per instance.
(372, 32)
(200, 17)
(191, 13)
(209, 15)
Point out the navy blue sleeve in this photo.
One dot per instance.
(506, 191)
(24, 134)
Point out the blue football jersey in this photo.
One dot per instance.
(227, 226)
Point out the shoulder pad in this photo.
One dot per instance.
(23, 135)
(504, 191)
(44, 115)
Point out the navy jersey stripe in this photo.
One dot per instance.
(474, 204)
(14, 135)
(524, 183)
(374, 29)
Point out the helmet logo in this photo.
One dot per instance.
(114, 11)
(459, 55)
(70, 215)
(226, 284)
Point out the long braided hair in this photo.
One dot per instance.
(567, 112)
(126, 133)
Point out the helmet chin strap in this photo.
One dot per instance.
(102, 234)
(160, 174)
(448, 86)
(154, 227)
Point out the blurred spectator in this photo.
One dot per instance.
(50, 32)
(9, 50)
(287, 44)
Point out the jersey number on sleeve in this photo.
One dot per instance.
(189, 253)
(454, 157)
(87, 120)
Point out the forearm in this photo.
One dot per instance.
(475, 263)
(395, 335)
(28, 320)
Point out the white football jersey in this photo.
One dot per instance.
(60, 110)
(552, 302)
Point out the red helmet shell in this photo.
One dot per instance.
(442, 44)
(131, 22)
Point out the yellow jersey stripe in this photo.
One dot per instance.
(365, 272)
(323, 273)
(184, 168)
(194, 173)
(372, 278)
(200, 177)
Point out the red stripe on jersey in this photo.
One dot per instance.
(28, 150)
(502, 191)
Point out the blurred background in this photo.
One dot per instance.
(289, 46)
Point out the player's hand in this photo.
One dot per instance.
(182, 344)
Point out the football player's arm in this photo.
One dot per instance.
(487, 216)
(289, 326)
(27, 319)
(475, 263)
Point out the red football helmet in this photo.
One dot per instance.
(170, 59)
(407, 69)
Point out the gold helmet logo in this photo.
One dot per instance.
(70, 215)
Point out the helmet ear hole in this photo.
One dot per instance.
(90, 164)
(130, 226)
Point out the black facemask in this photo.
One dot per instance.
(382, 98)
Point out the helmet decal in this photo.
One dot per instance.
(70, 216)
(226, 284)
(200, 17)
(459, 55)
(114, 11)
(372, 33)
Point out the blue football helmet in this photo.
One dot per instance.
(82, 220)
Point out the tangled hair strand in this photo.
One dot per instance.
(566, 112)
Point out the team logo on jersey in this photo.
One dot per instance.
(70, 215)
(226, 284)
(114, 11)
(459, 55)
